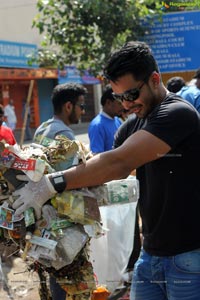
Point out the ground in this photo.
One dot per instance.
(17, 283)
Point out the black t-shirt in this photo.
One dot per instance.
(131, 125)
(170, 186)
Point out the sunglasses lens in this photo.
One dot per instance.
(132, 95)
(81, 105)
(117, 97)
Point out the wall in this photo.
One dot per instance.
(16, 18)
(45, 88)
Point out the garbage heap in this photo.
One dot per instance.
(58, 243)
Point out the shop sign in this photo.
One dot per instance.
(16, 55)
(72, 74)
(175, 41)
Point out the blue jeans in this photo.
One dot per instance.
(167, 278)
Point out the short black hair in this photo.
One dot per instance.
(107, 94)
(63, 93)
(134, 58)
(174, 84)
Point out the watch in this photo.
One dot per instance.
(58, 181)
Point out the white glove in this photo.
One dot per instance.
(33, 194)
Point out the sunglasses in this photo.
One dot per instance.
(81, 105)
(130, 95)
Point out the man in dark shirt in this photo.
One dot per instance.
(165, 152)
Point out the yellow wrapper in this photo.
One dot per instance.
(79, 208)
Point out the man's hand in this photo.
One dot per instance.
(33, 194)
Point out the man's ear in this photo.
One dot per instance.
(68, 106)
(155, 79)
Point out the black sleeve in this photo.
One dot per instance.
(125, 130)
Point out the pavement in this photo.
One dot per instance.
(16, 282)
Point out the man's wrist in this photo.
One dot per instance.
(58, 181)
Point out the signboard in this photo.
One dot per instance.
(15, 55)
(175, 41)
(28, 74)
(69, 74)
(87, 78)
(72, 74)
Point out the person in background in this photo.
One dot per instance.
(164, 150)
(124, 115)
(6, 134)
(191, 93)
(175, 84)
(103, 127)
(11, 118)
(68, 105)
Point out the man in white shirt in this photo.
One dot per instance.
(9, 112)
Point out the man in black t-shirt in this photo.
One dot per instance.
(165, 152)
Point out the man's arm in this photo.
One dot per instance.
(140, 148)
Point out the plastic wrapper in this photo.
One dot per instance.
(14, 158)
(79, 207)
(63, 153)
(122, 191)
(73, 240)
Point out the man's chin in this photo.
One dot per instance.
(139, 115)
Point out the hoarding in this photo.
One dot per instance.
(175, 41)
(72, 74)
(15, 55)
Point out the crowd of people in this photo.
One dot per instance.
(159, 140)
(189, 91)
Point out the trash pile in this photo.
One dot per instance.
(58, 243)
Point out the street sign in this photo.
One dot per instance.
(15, 55)
(175, 41)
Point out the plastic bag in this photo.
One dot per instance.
(122, 191)
(73, 240)
(110, 253)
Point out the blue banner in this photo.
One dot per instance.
(175, 41)
(72, 74)
(16, 54)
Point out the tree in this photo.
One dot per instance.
(85, 32)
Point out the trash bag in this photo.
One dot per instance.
(110, 253)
